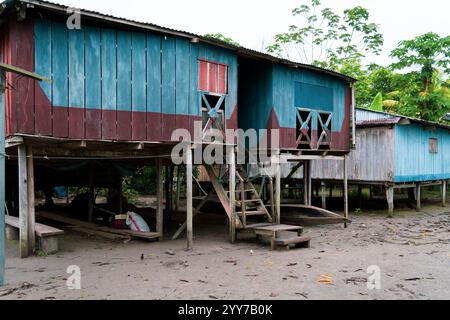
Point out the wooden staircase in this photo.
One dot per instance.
(249, 210)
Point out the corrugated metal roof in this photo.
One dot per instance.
(366, 117)
(241, 51)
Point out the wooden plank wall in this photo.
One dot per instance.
(111, 84)
(373, 159)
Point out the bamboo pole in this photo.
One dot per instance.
(444, 193)
(2, 177)
(278, 189)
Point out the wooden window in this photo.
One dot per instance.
(213, 77)
(433, 145)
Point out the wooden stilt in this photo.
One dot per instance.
(177, 195)
(309, 183)
(120, 192)
(278, 190)
(370, 192)
(323, 194)
(30, 201)
(390, 200)
(232, 197)
(189, 211)
(359, 196)
(159, 198)
(23, 202)
(345, 191)
(91, 194)
(418, 192)
(444, 193)
(2, 177)
(272, 199)
(305, 183)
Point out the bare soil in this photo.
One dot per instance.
(412, 250)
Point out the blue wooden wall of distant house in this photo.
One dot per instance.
(413, 159)
(118, 84)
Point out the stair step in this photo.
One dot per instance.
(278, 227)
(246, 190)
(251, 213)
(249, 200)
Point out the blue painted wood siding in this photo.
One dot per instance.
(294, 88)
(108, 69)
(414, 161)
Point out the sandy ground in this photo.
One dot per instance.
(412, 250)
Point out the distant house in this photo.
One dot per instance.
(395, 151)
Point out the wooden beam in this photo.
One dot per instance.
(13, 142)
(444, 193)
(189, 211)
(390, 199)
(178, 187)
(30, 201)
(294, 170)
(23, 202)
(159, 198)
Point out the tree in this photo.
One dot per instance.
(429, 52)
(326, 39)
(221, 37)
(377, 103)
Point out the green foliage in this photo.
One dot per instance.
(327, 39)
(377, 103)
(221, 37)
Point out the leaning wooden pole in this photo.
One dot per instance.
(189, 210)
(23, 202)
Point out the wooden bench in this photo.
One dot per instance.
(272, 231)
(47, 236)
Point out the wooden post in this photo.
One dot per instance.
(30, 201)
(444, 193)
(390, 200)
(2, 177)
(345, 191)
(418, 203)
(189, 211)
(23, 202)
(323, 194)
(232, 189)
(177, 195)
(278, 189)
(91, 193)
(305, 182)
(159, 198)
(120, 191)
(272, 200)
(360, 196)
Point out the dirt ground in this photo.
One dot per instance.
(412, 250)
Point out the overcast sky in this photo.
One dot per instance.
(253, 23)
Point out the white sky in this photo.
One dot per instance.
(253, 23)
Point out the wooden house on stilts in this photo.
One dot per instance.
(119, 89)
